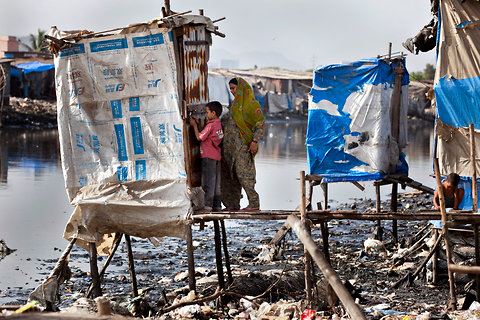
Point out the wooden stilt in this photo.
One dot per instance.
(225, 252)
(477, 258)
(97, 291)
(303, 234)
(310, 195)
(218, 255)
(378, 209)
(131, 265)
(190, 257)
(394, 208)
(474, 168)
(324, 229)
(325, 195)
(435, 259)
(308, 263)
(116, 243)
(453, 299)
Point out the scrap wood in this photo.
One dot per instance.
(411, 277)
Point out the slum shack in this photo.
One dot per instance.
(279, 92)
(124, 96)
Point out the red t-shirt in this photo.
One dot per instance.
(210, 139)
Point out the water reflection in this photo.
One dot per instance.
(35, 150)
(284, 140)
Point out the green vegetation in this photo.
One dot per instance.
(427, 74)
(36, 42)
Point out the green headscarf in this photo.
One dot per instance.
(246, 111)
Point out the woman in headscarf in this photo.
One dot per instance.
(243, 127)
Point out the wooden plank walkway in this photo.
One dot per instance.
(325, 215)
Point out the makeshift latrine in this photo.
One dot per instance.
(357, 120)
(457, 97)
(123, 101)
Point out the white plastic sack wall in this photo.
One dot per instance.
(349, 121)
(121, 137)
(457, 81)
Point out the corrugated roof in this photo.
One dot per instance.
(267, 73)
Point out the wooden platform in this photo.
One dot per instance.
(325, 215)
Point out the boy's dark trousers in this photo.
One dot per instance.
(211, 183)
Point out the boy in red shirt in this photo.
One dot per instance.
(210, 138)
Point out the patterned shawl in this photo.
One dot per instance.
(246, 111)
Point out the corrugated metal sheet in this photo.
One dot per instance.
(196, 71)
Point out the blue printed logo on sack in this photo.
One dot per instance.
(178, 135)
(163, 132)
(82, 181)
(76, 92)
(79, 140)
(122, 173)
(109, 88)
(154, 83)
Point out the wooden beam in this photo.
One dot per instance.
(330, 275)
(97, 291)
(131, 265)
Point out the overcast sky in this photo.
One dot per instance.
(296, 34)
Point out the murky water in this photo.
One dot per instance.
(34, 207)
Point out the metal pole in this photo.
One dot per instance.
(352, 309)
(131, 265)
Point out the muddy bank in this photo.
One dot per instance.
(32, 113)
(29, 113)
(161, 273)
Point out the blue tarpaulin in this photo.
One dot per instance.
(34, 67)
(349, 125)
(457, 94)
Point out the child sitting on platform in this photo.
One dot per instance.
(451, 192)
(210, 138)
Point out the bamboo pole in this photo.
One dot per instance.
(116, 243)
(225, 252)
(352, 309)
(131, 265)
(97, 291)
(474, 168)
(453, 298)
(190, 258)
(308, 261)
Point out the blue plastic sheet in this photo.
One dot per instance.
(34, 67)
(366, 87)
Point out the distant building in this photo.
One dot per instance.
(27, 74)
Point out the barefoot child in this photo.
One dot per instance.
(210, 138)
(452, 194)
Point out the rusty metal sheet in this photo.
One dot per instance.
(196, 48)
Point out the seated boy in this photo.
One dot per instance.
(452, 194)
(210, 138)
